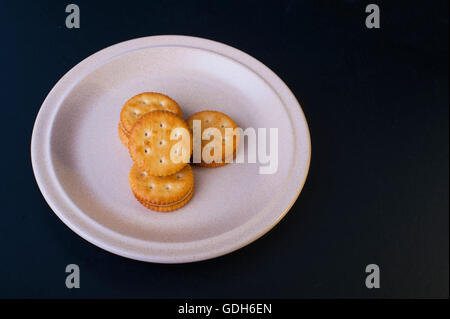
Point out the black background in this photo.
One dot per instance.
(377, 192)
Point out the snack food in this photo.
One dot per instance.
(160, 143)
(220, 121)
(165, 193)
(141, 104)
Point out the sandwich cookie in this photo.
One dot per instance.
(162, 194)
(140, 104)
(160, 143)
(226, 127)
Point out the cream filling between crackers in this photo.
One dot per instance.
(173, 203)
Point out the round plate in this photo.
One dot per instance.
(82, 168)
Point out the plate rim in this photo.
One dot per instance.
(104, 55)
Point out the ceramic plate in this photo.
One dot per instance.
(82, 168)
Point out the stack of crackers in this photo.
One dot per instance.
(160, 143)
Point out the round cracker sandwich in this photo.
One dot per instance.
(165, 193)
(141, 104)
(215, 125)
(160, 143)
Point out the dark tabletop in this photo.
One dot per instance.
(377, 192)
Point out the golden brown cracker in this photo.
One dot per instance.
(221, 122)
(152, 148)
(163, 192)
(143, 103)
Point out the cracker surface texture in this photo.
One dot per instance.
(143, 103)
(221, 122)
(151, 147)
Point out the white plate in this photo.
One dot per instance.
(82, 168)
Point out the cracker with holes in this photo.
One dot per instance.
(165, 193)
(160, 143)
(141, 104)
(218, 138)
